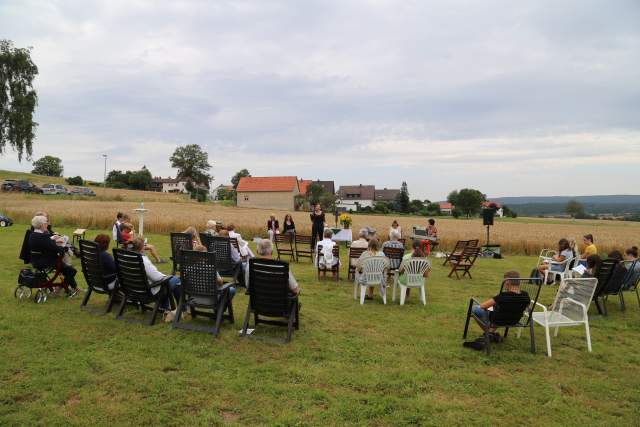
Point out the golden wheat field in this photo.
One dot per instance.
(522, 236)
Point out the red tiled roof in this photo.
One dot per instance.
(267, 183)
(445, 205)
(489, 203)
(304, 184)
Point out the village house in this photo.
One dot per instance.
(268, 192)
(356, 197)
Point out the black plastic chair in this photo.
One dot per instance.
(179, 241)
(199, 291)
(605, 272)
(269, 296)
(94, 275)
(205, 239)
(227, 267)
(135, 286)
(614, 286)
(514, 311)
(284, 245)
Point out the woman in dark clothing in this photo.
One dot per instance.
(45, 252)
(317, 228)
(289, 225)
(108, 264)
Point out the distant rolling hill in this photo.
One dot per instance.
(554, 205)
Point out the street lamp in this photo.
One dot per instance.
(104, 179)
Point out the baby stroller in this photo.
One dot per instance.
(45, 280)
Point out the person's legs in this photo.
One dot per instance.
(153, 251)
(270, 235)
(174, 289)
(69, 276)
(481, 314)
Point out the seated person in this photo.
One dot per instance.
(633, 267)
(154, 276)
(240, 265)
(511, 288)
(393, 243)
(108, 264)
(593, 266)
(195, 237)
(289, 225)
(362, 241)
(557, 263)
(219, 281)
(243, 246)
(128, 234)
(273, 227)
(432, 230)
(47, 250)
(265, 251)
(212, 228)
(589, 247)
(372, 251)
(325, 259)
(416, 252)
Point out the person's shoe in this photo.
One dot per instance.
(496, 337)
(478, 344)
(168, 316)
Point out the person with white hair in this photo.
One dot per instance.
(324, 257)
(265, 251)
(212, 228)
(47, 250)
(394, 242)
(362, 242)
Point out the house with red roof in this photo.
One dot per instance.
(268, 192)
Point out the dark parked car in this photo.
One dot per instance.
(5, 221)
(82, 191)
(24, 186)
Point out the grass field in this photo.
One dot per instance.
(347, 365)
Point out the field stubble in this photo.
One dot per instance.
(524, 236)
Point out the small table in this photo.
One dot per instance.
(78, 235)
(343, 235)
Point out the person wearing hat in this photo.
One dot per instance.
(273, 227)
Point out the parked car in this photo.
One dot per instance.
(82, 191)
(54, 189)
(21, 185)
(5, 221)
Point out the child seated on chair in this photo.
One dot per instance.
(511, 288)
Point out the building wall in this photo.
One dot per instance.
(173, 187)
(266, 199)
(351, 203)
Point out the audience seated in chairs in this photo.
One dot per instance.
(243, 246)
(128, 235)
(372, 251)
(265, 251)
(240, 264)
(557, 263)
(325, 259)
(195, 237)
(593, 266)
(47, 251)
(416, 252)
(213, 228)
(154, 276)
(363, 241)
(633, 266)
(394, 243)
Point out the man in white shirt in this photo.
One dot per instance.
(245, 250)
(325, 257)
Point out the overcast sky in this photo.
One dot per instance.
(512, 98)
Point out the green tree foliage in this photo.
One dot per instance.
(192, 164)
(75, 180)
(18, 99)
(236, 178)
(417, 207)
(225, 194)
(134, 180)
(506, 211)
(327, 201)
(467, 201)
(382, 207)
(48, 166)
(575, 209)
(433, 209)
(402, 199)
(314, 193)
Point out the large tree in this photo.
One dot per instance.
(467, 201)
(192, 164)
(575, 209)
(48, 166)
(18, 99)
(314, 193)
(236, 178)
(402, 199)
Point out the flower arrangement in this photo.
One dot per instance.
(345, 220)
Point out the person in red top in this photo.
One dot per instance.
(127, 235)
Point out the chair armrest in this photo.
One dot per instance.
(544, 307)
(584, 307)
(163, 282)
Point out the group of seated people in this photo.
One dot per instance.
(124, 233)
(273, 226)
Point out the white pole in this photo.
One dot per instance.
(141, 210)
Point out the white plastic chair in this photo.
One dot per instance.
(373, 273)
(414, 269)
(569, 308)
(564, 274)
(546, 255)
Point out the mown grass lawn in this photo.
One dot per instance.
(348, 364)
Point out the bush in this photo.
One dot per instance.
(75, 180)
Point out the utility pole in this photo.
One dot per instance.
(104, 180)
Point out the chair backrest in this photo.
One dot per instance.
(269, 287)
(472, 243)
(180, 241)
(221, 246)
(354, 253)
(303, 240)
(470, 253)
(633, 274)
(283, 238)
(532, 286)
(198, 273)
(92, 266)
(414, 269)
(546, 254)
(335, 253)
(394, 254)
(132, 276)
(616, 281)
(580, 290)
(568, 265)
(373, 269)
(460, 245)
(205, 238)
(604, 274)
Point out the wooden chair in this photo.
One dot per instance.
(395, 259)
(135, 286)
(354, 255)
(199, 291)
(179, 241)
(284, 245)
(303, 247)
(456, 252)
(335, 268)
(270, 297)
(513, 312)
(465, 262)
(94, 274)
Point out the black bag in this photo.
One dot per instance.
(30, 278)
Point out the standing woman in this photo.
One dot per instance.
(317, 221)
(289, 225)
